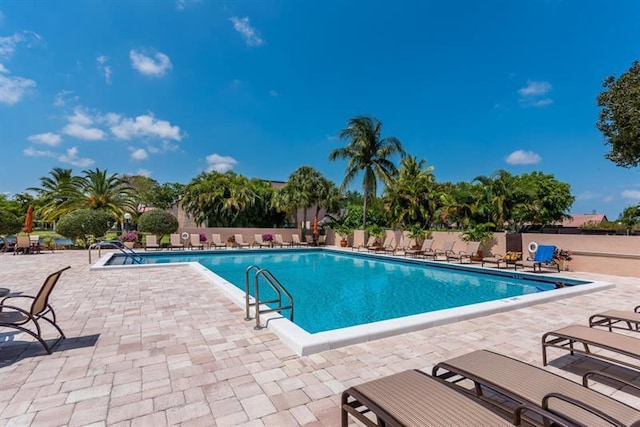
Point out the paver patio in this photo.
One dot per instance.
(163, 346)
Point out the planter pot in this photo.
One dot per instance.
(130, 245)
(343, 243)
(477, 257)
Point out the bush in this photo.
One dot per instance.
(83, 223)
(9, 223)
(160, 223)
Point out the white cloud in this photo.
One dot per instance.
(81, 126)
(71, 157)
(521, 157)
(250, 34)
(218, 163)
(587, 195)
(534, 94)
(156, 66)
(4, 69)
(13, 89)
(143, 126)
(63, 97)
(633, 195)
(182, 4)
(48, 138)
(9, 44)
(144, 172)
(104, 68)
(139, 154)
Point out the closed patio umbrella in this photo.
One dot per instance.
(315, 225)
(28, 221)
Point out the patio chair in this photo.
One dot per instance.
(611, 318)
(404, 245)
(23, 244)
(240, 243)
(573, 337)
(151, 242)
(194, 241)
(322, 240)
(370, 244)
(257, 241)
(295, 238)
(280, 241)
(216, 242)
(425, 249)
(443, 253)
(468, 254)
(413, 398)
(388, 246)
(543, 257)
(524, 384)
(175, 241)
(12, 316)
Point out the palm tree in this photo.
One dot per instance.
(59, 194)
(369, 153)
(108, 193)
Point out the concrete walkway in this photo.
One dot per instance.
(162, 346)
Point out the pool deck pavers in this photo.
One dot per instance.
(163, 346)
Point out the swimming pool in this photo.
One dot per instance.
(334, 290)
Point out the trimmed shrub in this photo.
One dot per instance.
(160, 223)
(9, 223)
(83, 223)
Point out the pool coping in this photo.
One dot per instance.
(304, 343)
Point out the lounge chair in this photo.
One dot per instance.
(443, 253)
(257, 241)
(280, 241)
(322, 240)
(611, 318)
(175, 241)
(16, 317)
(151, 242)
(388, 246)
(525, 384)
(543, 258)
(216, 242)
(240, 243)
(370, 244)
(194, 241)
(34, 241)
(426, 248)
(23, 244)
(566, 338)
(405, 245)
(468, 254)
(413, 398)
(296, 240)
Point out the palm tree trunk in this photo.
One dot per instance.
(364, 213)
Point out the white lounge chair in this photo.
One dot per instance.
(216, 242)
(240, 243)
(195, 242)
(280, 241)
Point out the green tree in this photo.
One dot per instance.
(630, 216)
(496, 202)
(109, 193)
(167, 194)
(367, 152)
(58, 194)
(540, 199)
(82, 224)
(9, 223)
(619, 119)
(158, 222)
(11, 205)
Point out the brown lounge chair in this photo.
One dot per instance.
(443, 253)
(566, 338)
(216, 242)
(16, 317)
(471, 251)
(151, 242)
(175, 241)
(611, 318)
(413, 398)
(522, 384)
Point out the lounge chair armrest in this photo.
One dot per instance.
(585, 379)
(546, 416)
(637, 309)
(20, 309)
(605, 417)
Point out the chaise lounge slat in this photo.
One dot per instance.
(566, 338)
(611, 318)
(412, 398)
(523, 383)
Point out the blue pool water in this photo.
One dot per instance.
(335, 290)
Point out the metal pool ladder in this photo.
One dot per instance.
(274, 284)
(129, 253)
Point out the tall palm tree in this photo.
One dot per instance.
(369, 153)
(497, 201)
(59, 194)
(106, 192)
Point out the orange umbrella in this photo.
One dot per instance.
(315, 225)
(28, 221)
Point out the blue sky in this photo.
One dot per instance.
(173, 88)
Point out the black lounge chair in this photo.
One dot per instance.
(15, 317)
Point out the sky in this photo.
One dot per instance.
(172, 88)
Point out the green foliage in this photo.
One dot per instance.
(604, 225)
(11, 205)
(619, 119)
(375, 230)
(479, 233)
(158, 222)
(416, 232)
(630, 216)
(539, 198)
(83, 223)
(9, 223)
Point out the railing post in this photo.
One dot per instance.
(257, 296)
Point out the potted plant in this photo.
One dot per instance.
(479, 233)
(128, 239)
(377, 232)
(231, 241)
(344, 231)
(418, 234)
(562, 258)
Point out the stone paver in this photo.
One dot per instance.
(163, 346)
